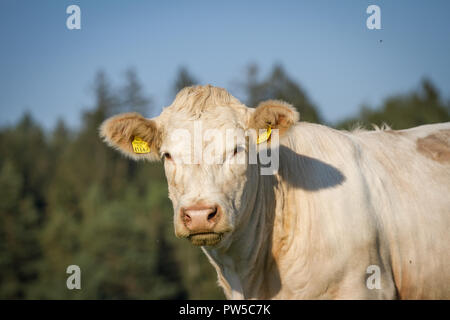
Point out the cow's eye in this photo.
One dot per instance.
(237, 150)
(167, 156)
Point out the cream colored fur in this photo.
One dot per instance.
(340, 202)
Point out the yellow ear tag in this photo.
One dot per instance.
(264, 136)
(140, 146)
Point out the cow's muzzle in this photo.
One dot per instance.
(205, 239)
(201, 221)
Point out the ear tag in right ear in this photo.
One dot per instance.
(264, 136)
(140, 146)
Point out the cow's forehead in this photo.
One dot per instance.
(217, 117)
(202, 109)
(219, 127)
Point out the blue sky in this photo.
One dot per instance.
(324, 45)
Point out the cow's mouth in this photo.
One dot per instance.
(205, 239)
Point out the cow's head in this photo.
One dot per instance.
(204, 138)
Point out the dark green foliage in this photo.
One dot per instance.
(69, 199)
(133, 100)
(278, 85)
(404, 111)
(19, 227)
(184, 79)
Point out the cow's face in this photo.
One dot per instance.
(205, 139)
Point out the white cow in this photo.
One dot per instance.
(348, 215)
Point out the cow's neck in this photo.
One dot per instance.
(248, 268)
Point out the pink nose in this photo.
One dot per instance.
(200, 218)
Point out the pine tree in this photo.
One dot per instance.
(133, 97)
(183, 79)
(278, 85)
(403, 111)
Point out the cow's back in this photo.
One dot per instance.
(412, 170)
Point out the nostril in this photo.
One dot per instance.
(212, 214)
(187, 218)
(200, 218)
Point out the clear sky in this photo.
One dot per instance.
(324, 45)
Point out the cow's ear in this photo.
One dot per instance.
(274, 113)
(133, 135)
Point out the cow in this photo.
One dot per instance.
(361, 214)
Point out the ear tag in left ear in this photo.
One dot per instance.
(264, 136)
(140, 146)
